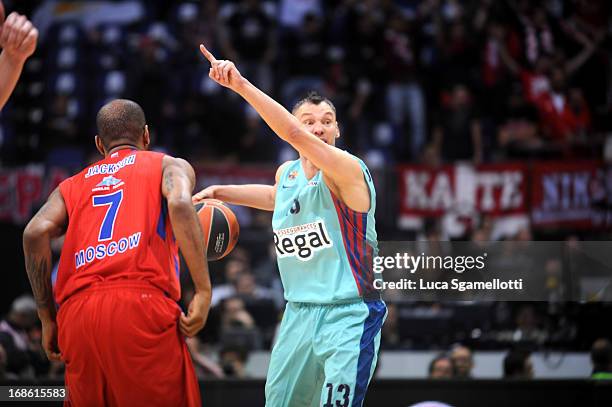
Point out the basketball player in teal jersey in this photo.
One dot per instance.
(325, 240)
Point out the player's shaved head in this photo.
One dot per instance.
(120, 121)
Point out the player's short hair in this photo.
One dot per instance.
(601, 354)
(236, 348)
(120, 119)
(515, 362)
(441, 356)
(314, 98)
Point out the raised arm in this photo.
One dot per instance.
(510, 63)
(50, 221)
(335, 164)
(18, 41)
(178, 180)
(589, 47)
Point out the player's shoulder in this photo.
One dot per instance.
(281, 168)
(177, 163)
(361, 163)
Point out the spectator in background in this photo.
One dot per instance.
(14, 335)
(293, 12)
(249, 291)
(248, 39)
(601, 358)
(18, 41)
(538, 36)
(237, 325)
(204, 366)
(528, 324)
(563, 115)
(4, 375)
(518, 365)
(306, 56)
(441, 367)
(518, 134)
(457, 134)
(459, 55)
(463, 361)
(390, 338)
(150, 78)
(233, 268)
(357, 87)
(405, 98)
(266, 271)
(536, 81)
(233, 359)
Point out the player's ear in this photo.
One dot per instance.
(337, 130)
(100, 145)
(146, 137)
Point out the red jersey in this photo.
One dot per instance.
(118, 226)
(560, 122)
(534, 85)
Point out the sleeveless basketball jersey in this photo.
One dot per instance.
(118, 226)
(324, 249)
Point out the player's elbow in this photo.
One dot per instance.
(180, 206)
(271, 200)
(294, 133)
(33, 232)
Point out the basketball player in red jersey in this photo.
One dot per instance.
(118, 277)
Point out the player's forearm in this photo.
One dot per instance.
(188, 234)
(37, 250)
(280, 120)
(10, 69)
(251, 195)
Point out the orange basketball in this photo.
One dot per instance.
(220, 228)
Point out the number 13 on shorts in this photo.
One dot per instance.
(341, 394)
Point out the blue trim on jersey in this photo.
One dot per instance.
(371, 327)
(161, 221)
(356, 250)
(344, 230)
(176, 267)
(364, 251)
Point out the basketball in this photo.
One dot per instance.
(220, 228)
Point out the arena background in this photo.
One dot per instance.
(480, 120)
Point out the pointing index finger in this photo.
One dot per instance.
(211, 58)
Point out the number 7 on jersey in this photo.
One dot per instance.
(108, 224)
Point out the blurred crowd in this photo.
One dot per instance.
(430, 80)
(22, 357)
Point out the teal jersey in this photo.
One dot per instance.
(324, 249)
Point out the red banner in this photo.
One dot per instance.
(571, 194)
(497, 189)
(23, 190)
(555, 193)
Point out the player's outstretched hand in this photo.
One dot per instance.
(222, 71)
(195, 319)
(206, 193)
(49, 341)
(18, 37)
